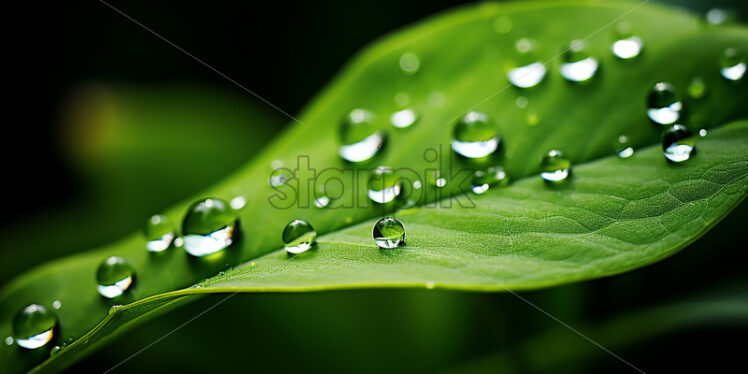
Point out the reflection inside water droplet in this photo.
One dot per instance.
(677, 143)
(298, 236)
(555, 167)
(663, 104)
(114, 277)
(33, 327)
(388, 233)
(475, 136)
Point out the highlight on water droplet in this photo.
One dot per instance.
(475, 136)
(280, 177)
(626, 46)
(57, 304)
(483, 179)
(702, 132)
(54, 351)
(623, 147)
(238, 203)
(732, 64)
(554, 167)
(403, 118)
(208, 227)
(663, 104)
(388, 233)
(9, 340)
(384, 185)
(409, 63)
(114, 276)
(159, 232)
(33, 326)
(697, 88)
(677, 143)
(525, 70)
(321, 200)
(578, 65)
(360, 139)
(299, 236)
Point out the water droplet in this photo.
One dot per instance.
(526, 71)
(475, 136)
(403, 118)
(409, 63)
(484, 179)
(732, 65)
(208, 227)
(55, 350)
(623, 147)
(57, 304)
(677, 143)
(321, 200)
(697, 88)
(663, 104)
(555, 167)
(238, 203)
(9, 340)
(33, 326)
(578, 65)
(402, 99)
(702, 133)
(388, 233)
(417, 185)
(719, 16)
(159, 233)
(280, 176)
(276, 164)
(626, 46)
(437, 99)
(502, 24)
(114, 277)
(384, 185)
(299, 236)
(521, 102)
(359, 137)
(178, 242)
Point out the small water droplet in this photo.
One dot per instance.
(626, 46)
(221, 272)
(57, 304)
(33, 326)
(54, 351)
(384, 185)
(321, 200)
(159, 233)
(525, 71)
(298, 236)
(276, 164)
(475, 136)
(719, 16)
(403, 118)
(702, 133)
(578, 65)
(732, 65)
(9, 340)
(178, 242)
(502, 24)
(677, 143)
(114, 277)
(360, 140)
(521, 102)
(238, 203)
(663, 104)
(417, 185)
(402, 99)
(623, 147)
(484, 179)
(697, 88)
(554, 167)
(280, 176)
(388, 233)
(409, 63)
(208, 227)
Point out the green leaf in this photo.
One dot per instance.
(614, 215)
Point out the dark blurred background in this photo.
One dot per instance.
(92, 145)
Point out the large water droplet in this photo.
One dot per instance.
(677, 143)
(475, 136)
(623, 147)
(578, 65)
(555, 167)
(626, 46)
(298, 236)
(484, 179)
(697, 88)
(208, 227)
(732, 64)
(388, 233)
(114, 277)
(409, 63)
(403, 118)
(384, 185)
(663, 104)
(526, 71)
(159, 233)
(33, 326)
(359, 137)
